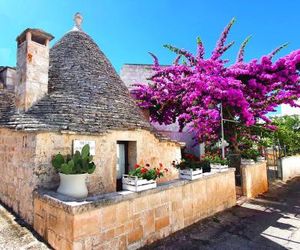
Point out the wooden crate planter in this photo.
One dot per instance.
(134, 184)
(218, 168)
(247, 161)
(261, 159)
(190, 174)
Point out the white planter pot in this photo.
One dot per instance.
(190, 174)
(247, 161)
(260, 158)
(215, 168)
(134, 184)
(73, 185)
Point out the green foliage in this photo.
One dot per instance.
(250, 153)
(215, 159)
(287, 135)
(79, 163)
(147, 172)
(149, 175)
(190, 161)
(189, 164)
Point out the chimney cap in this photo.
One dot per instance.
(36, 32)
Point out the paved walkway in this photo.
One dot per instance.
(14, 236)
(271, 221)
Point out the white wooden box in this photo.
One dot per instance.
(218, 168)
(134, 184)
(190, 174)
(247, 162)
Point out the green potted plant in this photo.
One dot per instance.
(249, 156)
(217, 164)
(73, 171)
(190, 167)
(143, 177)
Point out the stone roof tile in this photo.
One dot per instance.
(85, 94)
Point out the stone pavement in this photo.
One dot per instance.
(271, 221)
(14, 236)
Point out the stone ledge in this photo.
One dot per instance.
(77, 206)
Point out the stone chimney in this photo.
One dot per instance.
(32, 67)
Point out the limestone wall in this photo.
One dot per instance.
(290, 167)
(148, 150)
(254, 179)
(26, 162)
(135, 73)
(32, 73)
(130, 221)
(17, 171)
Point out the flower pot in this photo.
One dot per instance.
(260, 158)
(190, 174)
(215, 168)
(73, 185)
(135, 184)
(247, 161)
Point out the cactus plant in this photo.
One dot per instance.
(79, 163)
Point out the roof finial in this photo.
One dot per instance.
(78, 21)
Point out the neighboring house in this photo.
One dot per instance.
(57, 96)
(140, 73)
(286, 109)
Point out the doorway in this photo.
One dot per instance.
(122, 162)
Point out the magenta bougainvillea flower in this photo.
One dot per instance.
(192, 89)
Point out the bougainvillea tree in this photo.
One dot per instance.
(193, 89)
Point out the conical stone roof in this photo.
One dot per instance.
(85, 93)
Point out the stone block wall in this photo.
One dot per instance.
(289, 167)
(254, 179)
(32, 73)
(17, 171)
(148, 150)
(26, 162)
(8, 78)
(130, 221)
(135, 73)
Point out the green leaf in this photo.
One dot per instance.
(57, 161)
(85, 152)
(76, 157)
(91, 168)
(67, 168)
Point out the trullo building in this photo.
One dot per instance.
(57, 97)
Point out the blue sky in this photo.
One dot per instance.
(127, 29)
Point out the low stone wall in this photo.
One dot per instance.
(130, 220)
(18, 174)
(290, 167)
(26, 162)
(254, 179)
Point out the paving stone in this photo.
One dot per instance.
(268, 222)
(14, 236)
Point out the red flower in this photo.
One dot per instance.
(161, 165)
(136, 166)
(144, 170)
